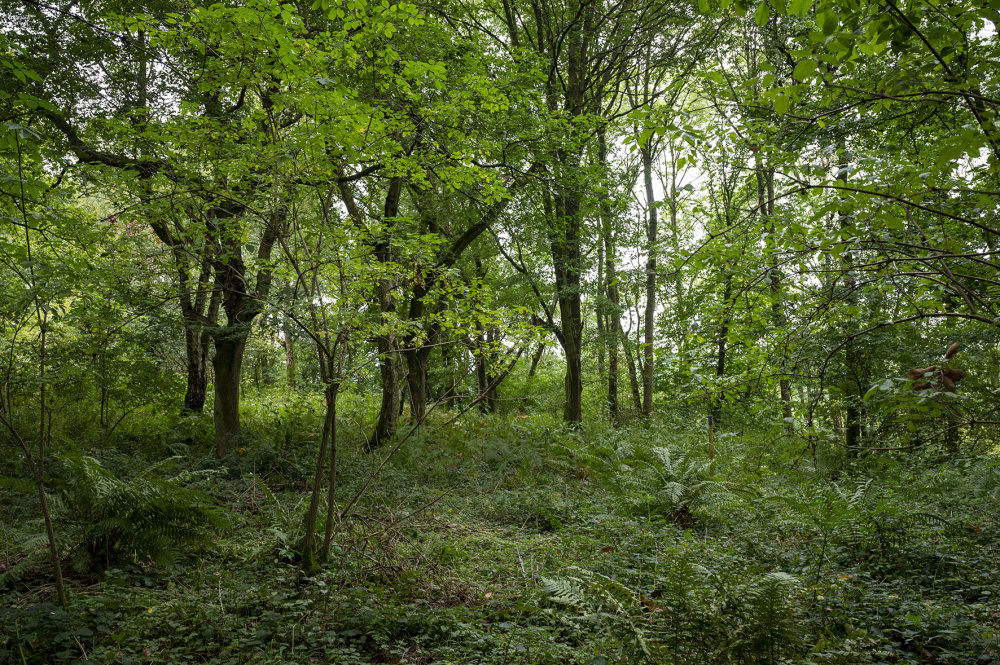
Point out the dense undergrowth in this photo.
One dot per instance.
(510, 540)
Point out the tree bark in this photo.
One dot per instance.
(330, 424)
(388, 416)
(291, 377)
(723, 345)
(416, 379)
(228, 365)
(649, 315)
(196, 340)
(566, 255)
(242, 305)
(765, 202)
(633, 376)
(309, 563)
(611, 311)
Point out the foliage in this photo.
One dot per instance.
(380, 282)
(676, 481)
(111, 521)
(145, 518)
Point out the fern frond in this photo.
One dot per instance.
(22, 485)
(565, 591)
(147, 518)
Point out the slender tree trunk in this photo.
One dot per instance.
(535, 359)
(720, 366)
(566, 257)
(197, 369)
(612, 308)
(852, 361)
(404, 384)
(388, 416)
(449, 363)
(309, 564)
(39, 468)
(649, 316)
(290, 376)
(481, 352)
(633, 376)
(600, 308)
(765, 201)
(566, 226)
(493, 391)
(199, 313)
(332, 391)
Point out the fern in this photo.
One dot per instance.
(609, 606)
(673, 481)
(750, 620)
(768, 629)
(36, 549)
(147, 518)
(857, 518)
(22, 485)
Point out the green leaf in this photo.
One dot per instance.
(799, 7)
(762, 14)
(781, 104)
(804, 70)
(830, 23)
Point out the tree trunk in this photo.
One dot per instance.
(197, 369)
(228, 364)
(330, 425)
(416, 379)
(649, 316)
(573, 412)
(482, 378)
(720, 366)
(535, 359)
(612, 308)
(765, 202)
(242, 305)
(566, 258)
(309, 564)
(197, 337)
(569, 308)
(493, 387)
(852, 362)
(599, 310)
(290, 376)
(633, 377)
(388, 415)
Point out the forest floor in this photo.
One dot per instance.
(517, 541)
